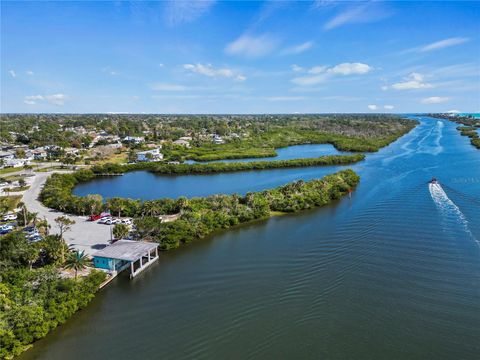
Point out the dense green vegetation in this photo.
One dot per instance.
(472, 133)
(202, 216)
(9, 203)
(245, 135)
(34, 298)
(57, 191)
(166, 169)
(199, 216)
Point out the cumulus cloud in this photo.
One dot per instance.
(350, 68)
(297, 49)
(373, 107)
(210, 71)
(412, 82)
(183, 11)
(321, 74)
(388, 107)
(444, 44)
(317, 69)
(252, 46)
(12, 73)
(434, 100)
(55, 99)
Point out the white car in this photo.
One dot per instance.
(10, 217)
(126, 221)
(104, 220)
(112, 221)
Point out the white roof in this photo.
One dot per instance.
(126, 250)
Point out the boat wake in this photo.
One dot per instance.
(448, 208)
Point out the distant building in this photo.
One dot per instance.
(217, 139)
(181, 142)
(134, 139)
(5, 155)
(16, 162)
(149, 155)
(39, 154)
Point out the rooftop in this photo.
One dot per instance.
(126, 250)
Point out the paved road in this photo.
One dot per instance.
(84, 235)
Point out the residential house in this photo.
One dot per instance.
(181, 142)
(134, 139)
(149, 155)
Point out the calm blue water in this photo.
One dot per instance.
(145, 185)
(291, 152)
(393, 273)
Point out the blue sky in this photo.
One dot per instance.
(240, 57)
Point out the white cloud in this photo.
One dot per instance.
(434, 100)
(317, 69)
(411, 82)
(310, 80)
(210, 71)
(373, 107)
(297, 49)
(453, 111)
(12, 73)
(321, 74)
(296, 68)
(388, 107)
(252, 46)
(444, 43)
(363, 13)
(29, 72)
(350, 68)
(183, 11)
(55, 99)
(168, 87)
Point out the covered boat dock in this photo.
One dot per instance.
(123, 254)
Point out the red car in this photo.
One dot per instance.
(98, 217)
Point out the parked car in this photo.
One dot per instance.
(32, 234)
(104, 220)
(10, 217)
(112, 221)
(5, 229)
(30, 229)
(126, 221)
(35, 238)
(94, 217)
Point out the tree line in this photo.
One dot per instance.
(198, 216)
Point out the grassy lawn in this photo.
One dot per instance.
(9, 203)
(121, 158)
(10, 170)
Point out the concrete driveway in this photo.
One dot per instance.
(83, 235)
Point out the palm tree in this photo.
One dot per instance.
(64, 224)
(43, 226)
(22, 206)
(77, 261)
(120, 231)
